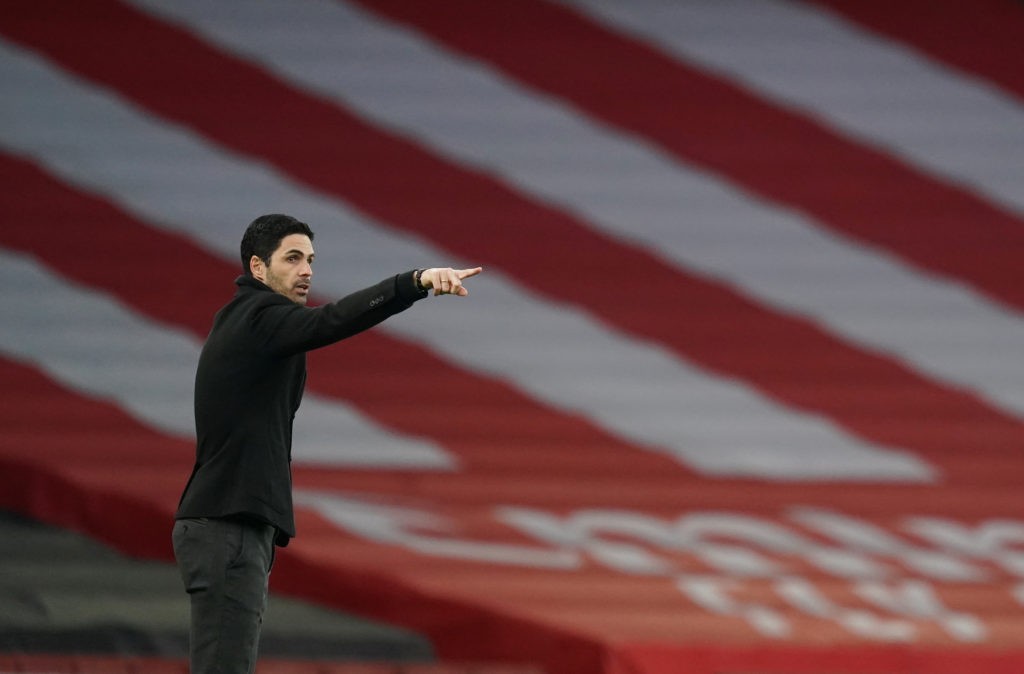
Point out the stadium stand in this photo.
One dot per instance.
(65, 593)
(738, 392)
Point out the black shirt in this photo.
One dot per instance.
(249, 383)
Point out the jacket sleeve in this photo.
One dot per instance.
(286, 328)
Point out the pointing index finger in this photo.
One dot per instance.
(466, 273)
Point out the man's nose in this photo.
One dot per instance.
(307, 270)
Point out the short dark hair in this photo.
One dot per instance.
(263, 236)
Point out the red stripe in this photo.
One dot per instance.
(170, 279)
(983, 37)
(399, 183)
(771, 151)
(76, 462)
(60, 451)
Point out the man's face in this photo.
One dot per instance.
(290, 272)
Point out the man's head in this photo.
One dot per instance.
(278, 251)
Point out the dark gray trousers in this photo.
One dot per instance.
(225, 565)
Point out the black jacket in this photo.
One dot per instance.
(249, 384)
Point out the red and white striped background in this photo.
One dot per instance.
(740, 387)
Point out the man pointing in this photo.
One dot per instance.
(237, 504)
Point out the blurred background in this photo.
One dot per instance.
(740, 388)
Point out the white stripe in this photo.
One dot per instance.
(628, 189)
(552, 351)
(877, 90)
(94, 345)
(91, 343)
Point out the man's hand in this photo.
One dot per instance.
(447, 281)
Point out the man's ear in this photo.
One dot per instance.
(257, 268)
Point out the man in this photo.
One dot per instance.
(237, 504)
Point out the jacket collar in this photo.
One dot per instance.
(252, 283)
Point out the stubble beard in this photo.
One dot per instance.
(278, 285)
